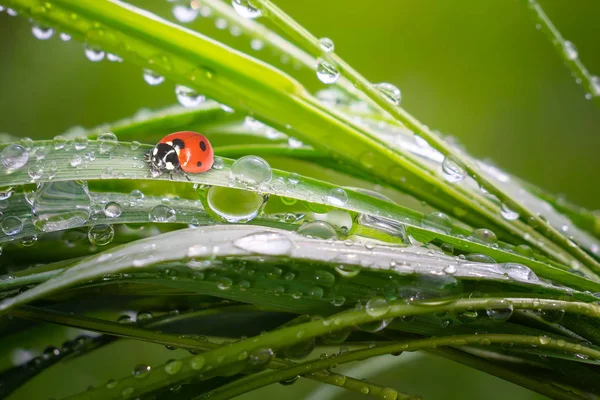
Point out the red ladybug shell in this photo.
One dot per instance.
(193, 149)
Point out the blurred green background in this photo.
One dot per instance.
(476, 70)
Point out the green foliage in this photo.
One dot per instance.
(295, 259)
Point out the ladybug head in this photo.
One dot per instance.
(163, 157)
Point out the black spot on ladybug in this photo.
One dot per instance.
(202, 146)
(199, 164)
(178, 143)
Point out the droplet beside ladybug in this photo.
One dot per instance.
(187, 152)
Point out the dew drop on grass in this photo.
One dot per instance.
(499, 310)
(36, 170)
(324, 278)
(11, 225)
(438, 222)
(453, 172)
(197, 362)
(112, 209)
(246, 9)
(507, 213)
(173, 367)
(327, 72)
(11, 12)
(42, 32)
(162, 213)
(185, 13)
(134, 145)
(101, 234)
(75, 160)
(317, 229)
(94, 54)
(188, 97)
(218, 163)
(326, 45)
(484, 236)
(108, 142)
(290, 381)
(337, 197)
(377, 307)
(251, 170)
(113, 58)
(480, 258)
(519, 272)
(141, 371)
(348, 271)
(267, 243)
(390, 92)
(256, 44)
(65, 37)
(152, 78)
(234, 205)
(14, 156)
(570, 50)
(61, 205)
(595, 86)
(6, 192)
(59, 142)
(224, 283)
(81, 143)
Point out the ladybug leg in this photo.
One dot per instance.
(184, 174)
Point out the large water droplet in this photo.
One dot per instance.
(377, 307)
(11, 225)
(251, 170)
(152, 78)
(484, 236)
(391, 92)
(246, 9)
(141, 371)
(234, 205)
(499, 310)
(94, 54)
(42, 32)
(173, 367)
(61, 205)
(112, 209)
(326, 72)
(453, 172)
(257, 44)
(14, 156)
(348, 271)
(570, 50)
(65, 37)
(108, 142)
(101, 234)
(188, 97)
(162, 213)
(317, 229)
(185, 13)
(337, 197)
(261, 356)
(326, 45)
(519, 272)
(595, 86)
(507, 213)
(437, 221)
(268, 243)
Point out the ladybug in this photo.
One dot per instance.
(186, 152)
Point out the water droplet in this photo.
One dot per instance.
(152, 78)
(251, 170)
(144, 316)
(234, 205)
(61, 205)
(112, 209)
(317, 229)
(108, 142)
(290, 381)
(59, 142)
(188, 97)
(173, 367)
(377, 307)
(81, 143)
(14, 156)
(11, 12)
(326, 72)
(246, 9)
(326, 45)
(256, 44)
(453, 172)
(261, 357)
(141, 371)
(544, 340)
(519, 272)
(324, 278)
(36, 170)
(94, 54)
(42, 32)
(162, 213)
(101, 234)
(595, 86)
(337, 197)
(338, 301)
(390, 92)
(65, 37)
(76, 160)
(6, 192)
(450, 269)
(218, 163)
(185, 13)
(348, 271)
(484, 236)
(499, 310)
(570, 50)
(507, 213)
(224, 283)
(11, 225)
(438, 222)
(267, 243)
(113, 58)
(197, 362)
